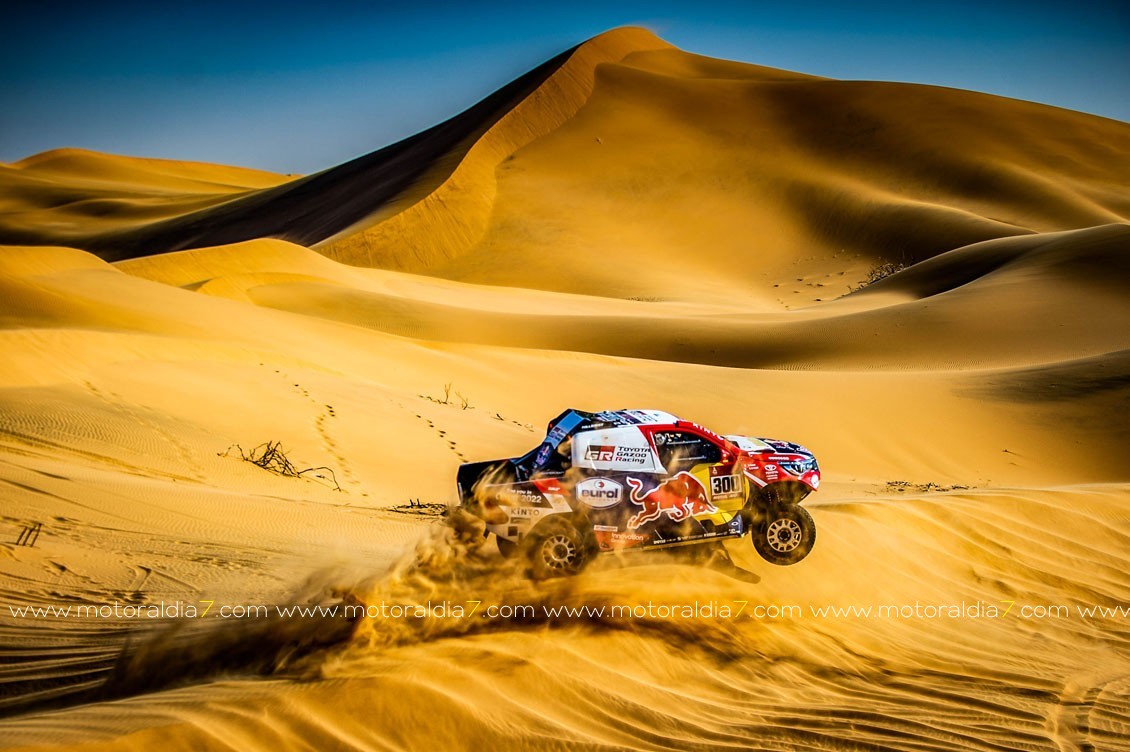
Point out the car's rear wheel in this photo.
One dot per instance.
(557, 548)
(785, 535)
(507, 548)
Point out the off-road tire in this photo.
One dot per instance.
(784, 535)
(556, 548)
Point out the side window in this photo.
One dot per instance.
(682, 451)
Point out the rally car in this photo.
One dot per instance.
(625, 479)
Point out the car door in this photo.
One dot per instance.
(702, 477)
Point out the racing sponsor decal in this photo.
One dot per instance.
(515, 495)
(632, 455)
(610, 538)
(600, 453)
(548, 485)
(526, 512)
(624, 448)
(627, 455)
(677, 498)
(554, 494)
(750, 472)
(599, 492)
(724, 484)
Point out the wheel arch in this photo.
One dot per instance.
(576, 518)
(776, 494)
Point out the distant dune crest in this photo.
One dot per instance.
(650, 152)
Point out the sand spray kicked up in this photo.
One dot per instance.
(448, 586)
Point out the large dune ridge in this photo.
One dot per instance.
(628, 225)
(68, 195)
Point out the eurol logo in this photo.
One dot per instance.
(599, 492)
(600, 453)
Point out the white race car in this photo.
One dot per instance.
(641, 478)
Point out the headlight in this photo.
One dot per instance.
(799, 468)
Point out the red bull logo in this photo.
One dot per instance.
(679, 498)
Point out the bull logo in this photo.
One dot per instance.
(679, 498)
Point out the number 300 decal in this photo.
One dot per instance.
(722, 486)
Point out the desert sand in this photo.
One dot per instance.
(628, 225)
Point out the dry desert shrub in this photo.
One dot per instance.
(270, 456)
(881, 271)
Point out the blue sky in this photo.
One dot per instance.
(294, 87)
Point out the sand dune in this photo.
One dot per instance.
(627, 225)
(1034, 284)
(68, 195)
(312, 208)
(792, 167)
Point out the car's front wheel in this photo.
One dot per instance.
(785, 535)
(557, 548)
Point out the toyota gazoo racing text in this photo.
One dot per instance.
(626, 479)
